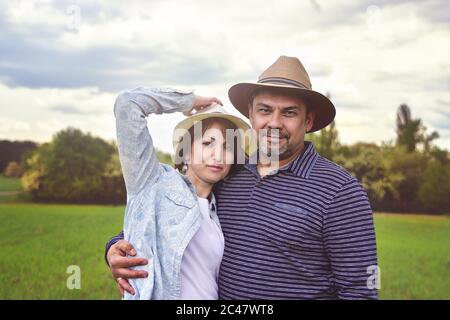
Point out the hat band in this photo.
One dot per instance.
(283, 81)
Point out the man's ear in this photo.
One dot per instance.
(310, 120)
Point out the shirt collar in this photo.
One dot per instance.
(212, 202)
(300, 166)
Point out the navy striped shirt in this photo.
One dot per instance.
(305, 232)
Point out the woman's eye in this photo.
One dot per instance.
(206, 143)
(229, 148)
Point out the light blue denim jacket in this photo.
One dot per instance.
(162, 212)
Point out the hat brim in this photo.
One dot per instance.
(184, 125)
(324, 110)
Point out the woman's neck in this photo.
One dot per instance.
(202, 188)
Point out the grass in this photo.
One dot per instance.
(414, 256)
(40, 241)
(9, 184)
(11, 191)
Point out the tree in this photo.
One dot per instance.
(372, 166)
(13, 170)
(76, 167)
(411, 132)
(73, 167)
(164, 157)
(440, 155)
(35, 171)
(411, 166)
(14, 151)
(434, 188)
(326, 141)
(113, 186)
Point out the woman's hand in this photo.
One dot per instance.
(202, 102)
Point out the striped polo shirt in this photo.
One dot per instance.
(305, 232)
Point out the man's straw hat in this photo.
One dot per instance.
(287, 73)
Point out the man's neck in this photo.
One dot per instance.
(265, 169)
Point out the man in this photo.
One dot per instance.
(298, 229)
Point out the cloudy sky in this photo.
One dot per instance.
(62, 63)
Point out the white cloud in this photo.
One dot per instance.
(29, 113)
(370, 57)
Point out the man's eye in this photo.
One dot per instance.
(290, 113)
(264, 110)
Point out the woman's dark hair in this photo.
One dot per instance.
(205, 125)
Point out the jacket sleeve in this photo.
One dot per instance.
(112, 241)
(137, 153)
(349, 238)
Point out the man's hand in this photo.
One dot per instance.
(202, 102)
(119, 264)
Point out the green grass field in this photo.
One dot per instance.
(9, 184)
(414, 256)
(11, 191)
(40, 241)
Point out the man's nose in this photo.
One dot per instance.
(275, 121)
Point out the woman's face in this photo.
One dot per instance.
(211, 158)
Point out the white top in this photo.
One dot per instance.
(201, 259)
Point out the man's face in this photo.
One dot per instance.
(280, 122)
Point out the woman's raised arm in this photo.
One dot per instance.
(137, 153)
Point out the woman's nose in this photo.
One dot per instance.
(217, 154)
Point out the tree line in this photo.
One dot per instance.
(13, 151)
(74, 167)
(409, 174)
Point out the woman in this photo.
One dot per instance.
(170, 218)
